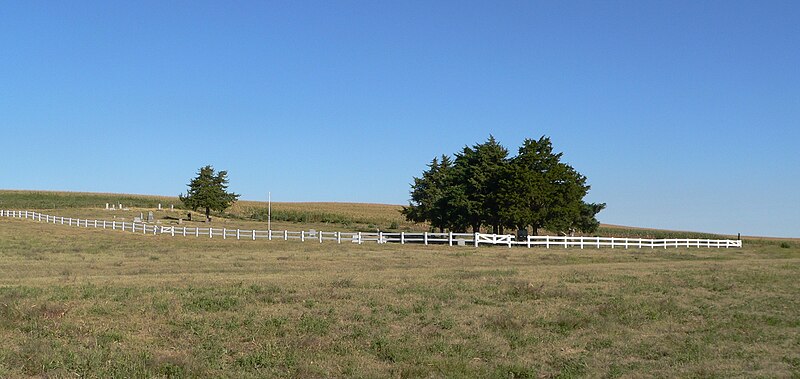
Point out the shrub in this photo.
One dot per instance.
(785, 245)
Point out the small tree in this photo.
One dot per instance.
(209, 190)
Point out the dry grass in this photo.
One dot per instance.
(93, 303)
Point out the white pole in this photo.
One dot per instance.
(269, 211)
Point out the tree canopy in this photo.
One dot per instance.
(209, 190)
(484, 187)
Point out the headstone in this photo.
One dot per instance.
(120, 205)
(171, 207)
(180, 221)
(106, 206)
(159, 206)
(137, 219)
(312, 233)
(150, 216)
(461, 242)
(141, 215)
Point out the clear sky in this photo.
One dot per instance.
(682, 114)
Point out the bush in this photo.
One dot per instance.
(785, 245)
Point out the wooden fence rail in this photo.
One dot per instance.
(463, 239)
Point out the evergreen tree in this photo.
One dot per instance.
(479, 170)
(209, 190)
(524, 193)
(540, 191)
(427, 195)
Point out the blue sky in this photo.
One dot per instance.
(682, 114)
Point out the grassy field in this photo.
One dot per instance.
(93, 303)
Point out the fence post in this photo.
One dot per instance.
(359, 238)
(210, 233)
(380, 237)
(173, 231)
(320, 236)
(269, 235)
(184, 231)
(285, 235)
(302, 236)
(475, 235)
(598, 242)
(581, 239)
(237, 234)
(425, 238)
(450, 238)
(339, 237)
(402, 238)
(224, 233)
(529, 242)
(254, 234)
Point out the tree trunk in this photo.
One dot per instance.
(208, 214)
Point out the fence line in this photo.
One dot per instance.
(427, 238)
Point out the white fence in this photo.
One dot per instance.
(471, 239)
